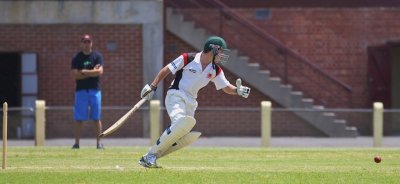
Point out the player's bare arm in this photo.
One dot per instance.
(161, 76)
(230, 89)
(148, 90)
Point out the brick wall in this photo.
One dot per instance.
(334, 39)
(55, 46)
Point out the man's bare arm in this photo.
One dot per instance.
(77, 74)
(96, 71)
(161, 76)
(230, 89)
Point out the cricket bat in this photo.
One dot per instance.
(123, 119)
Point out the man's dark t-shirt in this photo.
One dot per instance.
(88, 62)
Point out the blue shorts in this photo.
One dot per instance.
(84, 99)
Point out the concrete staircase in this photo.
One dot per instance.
(263, 82)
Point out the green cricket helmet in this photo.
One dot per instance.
(215, 43)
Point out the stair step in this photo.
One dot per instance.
(188, 26)
(234, 52)
(265, 72)
(351, 131)
(169, 11)
(245, 58)
(330, 114)
(275, 79)
(275, 82)
(179, 17)
(254, 64)
(285, 86)
(351, 128)
(329, 117)
(340, 121)
(199, 31)
(285, 90)
(298, 93)
(318, 107)
(339, 126)
(296, 98)
(308, 102)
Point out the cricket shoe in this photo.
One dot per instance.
(75, 146)
(100, 146)
(149, 161)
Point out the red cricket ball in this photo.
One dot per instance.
(378, 159)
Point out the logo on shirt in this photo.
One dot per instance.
(174, 65)
(87, 63)
(209, 75)
(192, 70)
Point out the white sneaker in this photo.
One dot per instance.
(149, 161)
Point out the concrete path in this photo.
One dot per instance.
(229, 142)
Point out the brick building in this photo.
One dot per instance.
(38, 40)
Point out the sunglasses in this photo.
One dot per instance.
(86, 41)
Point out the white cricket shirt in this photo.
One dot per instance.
(194, 78)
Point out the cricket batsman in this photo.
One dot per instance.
(192, 72)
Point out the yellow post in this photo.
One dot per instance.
(378, 124)
(265, 123)
(40, 122)
(5, 109)
(155, 129)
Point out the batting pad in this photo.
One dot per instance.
(172, 134)
(186, 140)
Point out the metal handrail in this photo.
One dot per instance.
(241, 109)
(19, 109)
(274, 41)
(246, 109)
(60, 108)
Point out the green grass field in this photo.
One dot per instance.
(201, 165)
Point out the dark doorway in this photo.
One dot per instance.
(10, 79)
(384, 75)
(10, 89)
(395, 75)
(384, 82)
(379, 75)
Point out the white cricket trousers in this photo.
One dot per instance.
(179, 104)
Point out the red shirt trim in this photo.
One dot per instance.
(185, 59)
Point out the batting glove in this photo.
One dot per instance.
(148, 92)
(243, 91)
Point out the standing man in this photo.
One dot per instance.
(87, 66)
(192, 72)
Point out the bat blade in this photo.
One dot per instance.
(123, 119)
